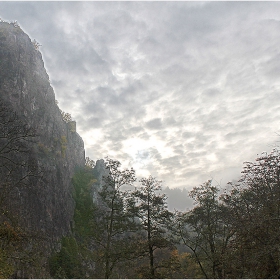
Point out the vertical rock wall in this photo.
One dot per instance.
(46, 205)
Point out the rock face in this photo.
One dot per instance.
(99, 171)
(46, 205)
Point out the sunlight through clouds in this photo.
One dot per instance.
(185, 91)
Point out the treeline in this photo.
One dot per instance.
(131, 234)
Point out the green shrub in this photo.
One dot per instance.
(67, 263)
(82, 182)
(71, 261)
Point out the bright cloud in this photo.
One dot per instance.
(185, 91)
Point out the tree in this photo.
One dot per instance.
(18, 169)
(36, 45)
(89, 163)
(66, 116)
(204, 231)
(75, 257)
(15, 139)
(83, 180)
(154, 217)
(254, 204)
(67, 263)
(114, 217)
(17, 166)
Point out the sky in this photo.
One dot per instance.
(182, 91)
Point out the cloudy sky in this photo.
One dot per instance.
(185, 91)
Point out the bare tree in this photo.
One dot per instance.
(17, 166)
(154, 217)
(114, 217)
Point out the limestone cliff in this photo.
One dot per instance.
(99, 171)
(45, 205)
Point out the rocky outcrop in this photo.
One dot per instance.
(99, 172)
(45, 206)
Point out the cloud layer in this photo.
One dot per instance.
(185, 91)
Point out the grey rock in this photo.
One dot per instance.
(99, 172)
(46, 206)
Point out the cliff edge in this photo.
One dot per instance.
(44, 203)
